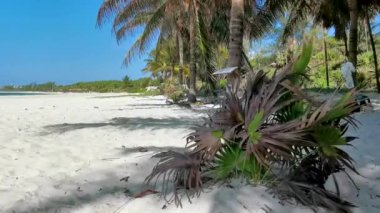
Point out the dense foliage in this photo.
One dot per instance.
(274, 55)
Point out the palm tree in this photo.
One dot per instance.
(165, 18)
(326, 60)
(339, 14)
(159, 64)
(235, 46)
(180, 56)
(130, 15)
(368, 22)
(353, 36)
(193, 67)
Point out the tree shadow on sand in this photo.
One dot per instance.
(133, 123)
(102, 190)
(156, 149)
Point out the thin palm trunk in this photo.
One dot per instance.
(172, 72)
(193, 72)
(345, 44)
(180, 53)
(366, 36)
(326, 62)
(374, 52)
(353, 40)
(235, 46)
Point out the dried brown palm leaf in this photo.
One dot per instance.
(182, 170)
(311, 195)
(205, 143)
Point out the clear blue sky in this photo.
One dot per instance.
(57, 40)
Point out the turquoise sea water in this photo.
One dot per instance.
(18, 93)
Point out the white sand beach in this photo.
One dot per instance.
(68, 153)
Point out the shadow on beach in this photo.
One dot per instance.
(133, 123)
(155, 149)
(99, 186)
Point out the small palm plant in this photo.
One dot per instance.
(273, 134)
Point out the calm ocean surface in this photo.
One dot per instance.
(2, 93)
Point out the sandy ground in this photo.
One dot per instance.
(68, 152)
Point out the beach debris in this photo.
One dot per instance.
(145, 193)
(127, 192)
(125, 179)
(267, 209)
(168, 102)
(109, 159)
(230, 186)
(96, 107)
(79, 189)
(244, 206)
(164, 206)
(142, 149)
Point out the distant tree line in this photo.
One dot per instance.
(126, 85)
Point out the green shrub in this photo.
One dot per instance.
(362, 79)
(174, 91)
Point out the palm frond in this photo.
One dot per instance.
(180, 170)
(266, 17)
(298, 14)
(131, 10)
(139, 20)
(108, 8)
(310, 195)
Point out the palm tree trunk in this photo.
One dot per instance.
(180, 53)
(353, 40)
(235, 46)
(172, 72)
(374, 52)
(193, 72)
(366, 36)
(345, 44)
(326, 61)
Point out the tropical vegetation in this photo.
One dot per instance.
(191, 39)
(130, 86)
(273, 134)
(268, 130)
